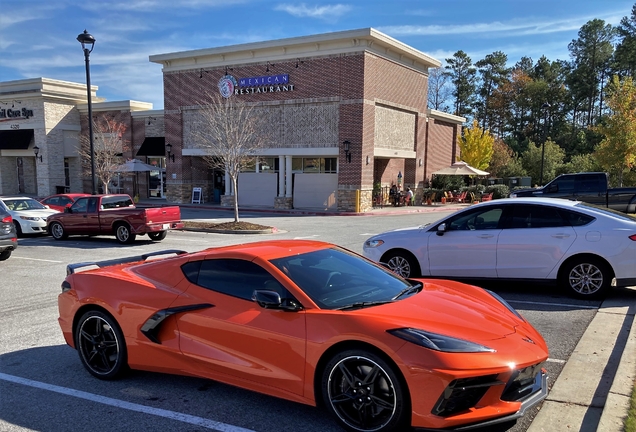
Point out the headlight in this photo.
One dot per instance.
(505, 303)
(30, 218)
(438, 342)
(373, 243)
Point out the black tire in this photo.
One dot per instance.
(586, 278)
(364, 393)
(18, 228)
(57, 231)
(4, 255)
(123, 234)
(158, 236)
(101, 345)
(402, 263)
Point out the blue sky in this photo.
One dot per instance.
(38, 38)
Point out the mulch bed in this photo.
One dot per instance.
(229, 226)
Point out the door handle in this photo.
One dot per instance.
(485, 236)
(561, 236)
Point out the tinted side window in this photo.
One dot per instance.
(575, 218)
(590, 183)
(116, 202)
(63, 201)
(531, 216)
(80, 205)
(234, 277)
(482, 219)
(191, 271)
(565, 185)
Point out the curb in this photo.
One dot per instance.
(271, 230)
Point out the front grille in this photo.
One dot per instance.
(462, 394)
(521, 383)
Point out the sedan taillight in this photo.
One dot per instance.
(7, 219)
(632, 237)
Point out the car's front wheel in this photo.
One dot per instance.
(100, 344)
(586, 277)
(158, 236)
(364, 393)
(402, 263)
(124, 234)
(57, 231)
(18, 228)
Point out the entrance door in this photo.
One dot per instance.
(157, 178)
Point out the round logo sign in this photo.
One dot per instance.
(226, 85)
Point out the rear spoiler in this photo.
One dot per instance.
(71, 268)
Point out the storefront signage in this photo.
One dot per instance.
(15, 113)
(228, 85)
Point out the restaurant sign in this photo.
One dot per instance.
(228, 85)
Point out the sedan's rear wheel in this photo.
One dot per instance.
(586, 277)
(403, 263)
(124, 234)
(100, 344)
(57, 231)
(4, 255)
(158, 236)
(364, 393)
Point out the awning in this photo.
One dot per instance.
(15, 139)
(153, 146)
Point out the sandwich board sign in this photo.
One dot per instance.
(196, 195)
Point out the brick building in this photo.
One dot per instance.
(358, 87)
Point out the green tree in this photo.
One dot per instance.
(625, 54)
(476, 146)
(580, 163)
(552, 161)
(617, 151)
(462, 73)
(493, 72)
(504, 162)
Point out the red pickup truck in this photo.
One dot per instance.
(113, 214)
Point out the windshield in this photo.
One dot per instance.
(607, 211)
(23, 204)
(335, 279)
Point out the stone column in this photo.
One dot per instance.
(228, 185)
(288, 180)
(281, 176)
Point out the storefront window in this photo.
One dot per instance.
(315, 165)
(157, 179)
(268, 165)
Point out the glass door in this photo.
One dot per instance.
(157, 178)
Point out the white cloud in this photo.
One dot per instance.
(322, 12)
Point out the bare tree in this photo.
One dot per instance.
(230, 133)
(108, 146)
(439, 89)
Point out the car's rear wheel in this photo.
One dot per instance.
(403, 263)
(364, 393)
(100, 344)
(124, 234)
(57, 231)
(4, 255)
(18, 228)
(158, 236)
(586, 277)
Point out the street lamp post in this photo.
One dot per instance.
(88, 43)
(545, 107)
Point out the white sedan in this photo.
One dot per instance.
(585, 249)
(29, 215)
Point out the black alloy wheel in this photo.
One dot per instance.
(57, 231)
(586, 277)
(403, 264)
(18, 228)
(124, 234)
(100, 344)
(364, 393)
(158, 236)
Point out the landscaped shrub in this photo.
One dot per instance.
(498, 191)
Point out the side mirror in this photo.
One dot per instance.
(271, 300)
(441, 229)
(68, 210)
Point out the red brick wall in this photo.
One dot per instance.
(440, 152)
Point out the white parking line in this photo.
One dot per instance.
(559, 361)
(185, 418)
(306, 237)
(552, 304)
(35, 259)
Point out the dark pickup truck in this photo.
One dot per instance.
(113, 215)
(589, 187)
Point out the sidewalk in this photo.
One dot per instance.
(593, 391)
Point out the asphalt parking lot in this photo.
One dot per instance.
(44, 387)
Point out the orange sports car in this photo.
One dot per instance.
(313, 323)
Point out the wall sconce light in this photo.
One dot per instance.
(227, 68)
(420, 162)
(268, 65)
(150, 120)
(36, 150)
(345, 145)
(367, 160)
(299, 61)
(170, 155)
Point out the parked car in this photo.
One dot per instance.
(581, 247)
(589, 187)
(113, 215)
(60, 201)
(8, 236)
(29, 216)
(313, 323)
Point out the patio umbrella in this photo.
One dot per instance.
(135, 166)
(460, 168)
